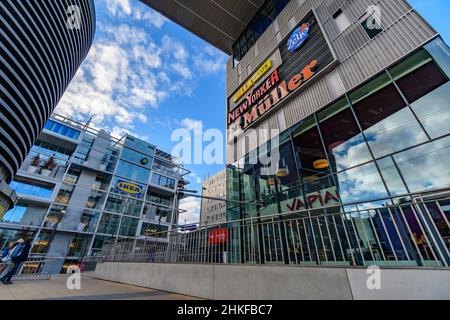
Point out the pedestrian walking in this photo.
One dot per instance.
(18, 256)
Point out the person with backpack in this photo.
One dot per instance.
(18, 256)
(6, 257)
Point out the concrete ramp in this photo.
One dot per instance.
(239, 282)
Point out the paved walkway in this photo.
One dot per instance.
(91, 289)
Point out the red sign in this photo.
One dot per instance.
(217, 236)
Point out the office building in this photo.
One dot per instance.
(349, 101)
(80, 187)
(214, 211)
(43, 44)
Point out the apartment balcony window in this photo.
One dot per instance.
(163, 181)
(45, 165)
(62, 130)
(131, 171)
(166, 169)
(31, 188)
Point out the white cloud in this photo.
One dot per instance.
(118, 7)
(182, 70)
(192, 206)
(210, 60)
(113, 86)
(150, 16)
(175, 48)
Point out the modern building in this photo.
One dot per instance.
(80, 187)
(43, 44)
(214, 211)
(333, 103)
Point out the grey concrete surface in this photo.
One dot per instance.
(238, 282)
(406, 284)
(91, 289)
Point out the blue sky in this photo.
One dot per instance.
(148, 76)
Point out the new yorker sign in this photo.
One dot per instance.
(268, 95)
(304, 53)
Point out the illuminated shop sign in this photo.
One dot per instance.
(298, 37)
(268, 95)
(251, 82)
(130, 188)
(323, 198)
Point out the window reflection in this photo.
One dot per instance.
(433, 111)
(389, 125)
(426, 167)
(344, 142)
(391, 176)
(361, 184)
(131, 171)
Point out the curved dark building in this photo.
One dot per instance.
(43, 44)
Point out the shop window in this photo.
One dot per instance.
(123, 205)
(128, 227)
(389, 125)
(343, 140)
(109, 224)
(310, 151)
(153, 230)
(99, 241)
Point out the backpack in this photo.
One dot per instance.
(17, 251)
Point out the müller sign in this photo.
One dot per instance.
(267, 96)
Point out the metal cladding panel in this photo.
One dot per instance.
(401, 38)
(39, 56)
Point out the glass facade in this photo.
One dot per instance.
(387, 138)
(61, 129)
(31, 188)
(262, 20)
(101, 191)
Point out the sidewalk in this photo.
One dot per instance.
(91, 289)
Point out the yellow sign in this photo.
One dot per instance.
(251, 82)
(129, 188)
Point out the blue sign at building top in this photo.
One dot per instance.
(298, 37)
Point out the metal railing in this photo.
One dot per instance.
(37, 268)
(408, 231)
